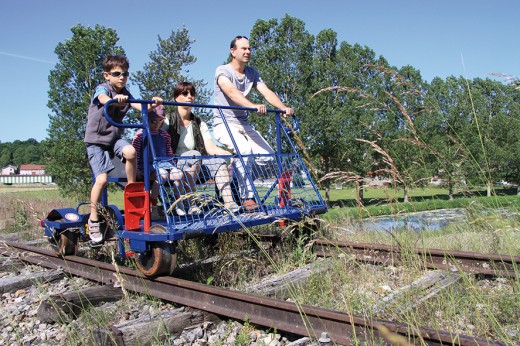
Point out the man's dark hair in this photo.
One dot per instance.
(233, 43)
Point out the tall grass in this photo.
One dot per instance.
(485, 308)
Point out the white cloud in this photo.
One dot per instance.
(27, 58)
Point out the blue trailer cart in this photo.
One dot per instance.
(282, 187)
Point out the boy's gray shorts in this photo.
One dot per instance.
(100, 156)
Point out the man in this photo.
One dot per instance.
(233, 83)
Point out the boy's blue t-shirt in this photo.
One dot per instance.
(100, 90)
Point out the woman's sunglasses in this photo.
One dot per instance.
(187, 92)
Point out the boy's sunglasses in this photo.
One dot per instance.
(119, 73)
(187, 92)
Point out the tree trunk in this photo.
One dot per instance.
(359, 194)
(450, 189)
(327, 193)
(488, 193)
(326, 170)
(405, 192)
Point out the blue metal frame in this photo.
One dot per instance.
(215, 221)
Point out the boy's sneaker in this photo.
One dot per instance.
(94, 231)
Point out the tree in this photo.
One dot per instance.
(327, 87)
(326, 114)
(510, 136)
(491, 142)
(21, 152)
(5, 157)
(447, 103)
(342, 110)
(168, 66)
(26, 154)
(71, 86)
(282, 52)
(360, 86)
(359, 115)
(403, 140)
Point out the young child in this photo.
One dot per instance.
(104, 140)
(161, 141)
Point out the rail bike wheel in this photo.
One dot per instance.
(65, 243)
(161, 259)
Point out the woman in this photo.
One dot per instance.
(191, 137)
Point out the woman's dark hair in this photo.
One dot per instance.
(182, 87)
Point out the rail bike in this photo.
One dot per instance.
(282, 186)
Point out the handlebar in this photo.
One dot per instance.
(194, 105)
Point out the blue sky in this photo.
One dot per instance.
(469, 38)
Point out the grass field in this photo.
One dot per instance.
(376, 201)
(26, 188)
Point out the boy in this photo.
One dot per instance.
(104, 140)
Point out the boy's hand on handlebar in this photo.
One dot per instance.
(121, 98)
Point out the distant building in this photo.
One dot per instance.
(29, 174)
(32, 170)
(8, 170)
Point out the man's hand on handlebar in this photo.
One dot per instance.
(260, 108)
(288, 111)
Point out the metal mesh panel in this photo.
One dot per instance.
(279, 183)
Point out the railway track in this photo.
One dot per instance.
(506, 266)
(281, 315)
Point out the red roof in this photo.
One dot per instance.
(31, 167)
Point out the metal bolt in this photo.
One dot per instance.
(324, 339)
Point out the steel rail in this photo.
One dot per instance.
(507, 266)
(343, 329)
